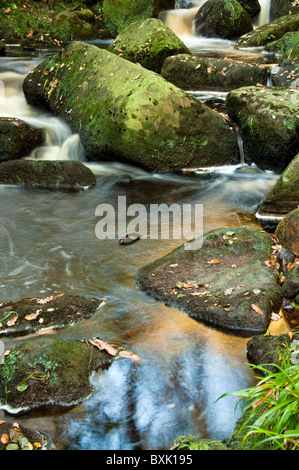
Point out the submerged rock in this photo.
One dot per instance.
(119, 14)
(48, 371)
(17, 437)
(225, 19)
(226, 283)
(28, 315)
(125, 112)
(18, 139)
(269, 124)
(202, 73)
(269, 32)
(148, 42)
(47, 174)
(284, 196)
(288, 231)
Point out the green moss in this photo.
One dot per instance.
(118, 14)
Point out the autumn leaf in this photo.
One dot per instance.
(209, 69)
(130, 355)
(12, 321)
(229, 291)
(213, 261)
(103, 346)
(33, 316)
(4, 438)
(257, 309)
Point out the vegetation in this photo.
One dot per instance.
(272, 406)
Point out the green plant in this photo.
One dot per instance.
(272, 406)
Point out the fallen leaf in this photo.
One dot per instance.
(130, 355)
(213, 261)
(12, 321)
(33, 316)
(4, 438)
(228, 291)
(291, 335)
(137, 76)
(257, 309)
(103, 346)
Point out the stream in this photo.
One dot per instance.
(48, 246)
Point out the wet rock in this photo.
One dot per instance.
(225, 283)
(163, 5)
(287, 72)
(252, 7)
(284, 258)
(269, 32)
(2, 47)
(49, 371)
(148, 42)
(284, 196)
(222, 18)
(266, 349)
(18, 139)
(288, 231)
(269, 124)
(290, 287)
(86, 15)
(47, 174)
(119, 14)
(24, 316)
(202, 73)
(128, 113)
(18, 437)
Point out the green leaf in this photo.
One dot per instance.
(12, 447)
(179, 284)
(22, 386)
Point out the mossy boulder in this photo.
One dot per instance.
(287, 72)
(18, 138)
(284, 196)
(290, 286)
(49, 371)
(86, 15)
(119, 14)
(280, 8)
(270, 32)
(2, 47)
(266, 349)
(47, 174)
(252, 7)
(203, 73)
(197, 443)
(225, 19)
(148, 42)
(269, 123)
(18, 437)
(68, 26)
(125, 112)
(225, 283)
(288, 231)
(25, 316)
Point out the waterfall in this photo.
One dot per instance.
(264, 15)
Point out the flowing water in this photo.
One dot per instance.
(48, 246)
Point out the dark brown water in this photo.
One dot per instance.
(48, 246)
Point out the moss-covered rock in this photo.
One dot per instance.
(18, 139)
(269, 32)
(197, 443)
(18, 437)
(47, 174)
(119, 14)
(148, 42)
(225, 283)
(284, 196)
(125, 112)
(280, 8)
(203, 73)
(290, 286)
(48, 371)
(25, 316)
(67, 26)
(222, 18)
(2, 47)
(288, 231)
(252, 7)
(269, 123)
(287, 72)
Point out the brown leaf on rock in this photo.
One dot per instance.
(103, 346)
(213, 261)
(4, 438)
(257, 309)
(12, 321)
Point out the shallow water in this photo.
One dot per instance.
(48, 246)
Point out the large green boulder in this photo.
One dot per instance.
(118, 14)
(284, 196)
(148, 42)
(224, 283)
(222, 18)
(269, 123)
(68, 26)
(125, 112)
(269, 32)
